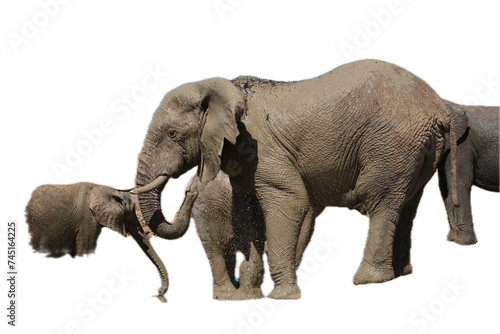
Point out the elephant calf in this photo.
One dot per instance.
(477, 164)
(211, 213)
(67, 219)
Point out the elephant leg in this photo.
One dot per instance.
(305, 235)
(230, 260)
(222, 266)
(249, 236)
(459, 218)
(376, 266)
(216, 235)
(402, 239)
(285, 210)
(222, 258)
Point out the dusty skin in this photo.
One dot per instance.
(371, 131)
(477, 165)
(477, 160)
(212, 216)
(67, 219)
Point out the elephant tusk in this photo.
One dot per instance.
(160, 180)
(126, 190)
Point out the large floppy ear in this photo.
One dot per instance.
(222, 105)
(108, 207)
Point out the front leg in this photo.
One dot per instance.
(285, 207)
(249, 236)
(305, 235)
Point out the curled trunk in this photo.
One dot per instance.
(149, 196)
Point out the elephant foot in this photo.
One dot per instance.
(408, 269)
(246, 293)
(368, 273)
(402, 270)
(223, 292)
(285, 291)
(462, 238)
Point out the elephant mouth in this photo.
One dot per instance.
(149, 201)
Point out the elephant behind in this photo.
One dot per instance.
(477, 165)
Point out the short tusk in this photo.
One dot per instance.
(125, 190)
(160, 180)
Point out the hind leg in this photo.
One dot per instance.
(402, 239)
(459, 218)
(376, 266)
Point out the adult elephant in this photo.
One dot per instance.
(367, 135)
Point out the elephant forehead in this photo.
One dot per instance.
(181, 98)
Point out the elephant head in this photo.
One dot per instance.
(67, 219)
(188, 129)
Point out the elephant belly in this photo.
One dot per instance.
(335, 188)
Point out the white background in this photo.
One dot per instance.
(71, 72)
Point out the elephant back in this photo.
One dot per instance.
(60, 222)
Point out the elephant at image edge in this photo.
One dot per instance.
(67, 219)
(367, 135)
(212, 209)
(477, 164)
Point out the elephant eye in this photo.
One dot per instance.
(171, 133)
(118, 199)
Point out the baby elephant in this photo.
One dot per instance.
(211, 213)
(477, 164)
(67, 219)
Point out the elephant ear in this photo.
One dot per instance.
(222, 105)
(108, 208)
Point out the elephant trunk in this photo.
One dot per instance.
(149, 196)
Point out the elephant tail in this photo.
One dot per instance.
(453, 156)
(450, 126)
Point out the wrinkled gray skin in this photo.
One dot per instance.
(67, 219)
(477, 164)
(212, 216)
(368, 136)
